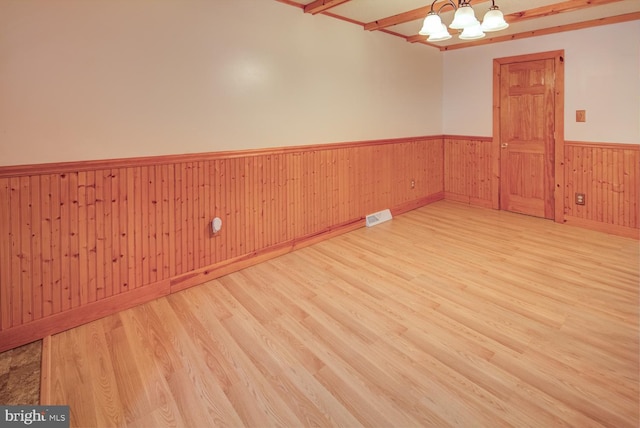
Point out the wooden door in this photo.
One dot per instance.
(527, 112)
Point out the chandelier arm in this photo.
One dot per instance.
(461, 2)
(448, 3)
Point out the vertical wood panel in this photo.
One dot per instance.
(294, 206)
(132, 197)
(26, 286)
(151, 225)
(36, 246)
(267, 217)
(183, 219)
(249, 208)
(353, 182)
(199, 215)
(341, 186)
(188, 218)
(123, 234)
(305, 200)
(219, 239)
(232, 195)
(83, 241)
(167, 220)
(241, 201)
(114, 287)
(56, 259)
(282, 198)
(46, 226)
(14, 231)
(5, 254)
(633, 177)
(617, 165)
(65, 242)
(91, 236)
(100, 234)
(568, 182)
(225, 190)
(106, 260)
(178, 206)
(159, 220)
(608, 176)
(207, 214)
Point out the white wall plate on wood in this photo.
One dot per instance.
(377, 218)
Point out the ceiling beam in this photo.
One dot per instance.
(554, 9)
(322, 5)
(412, 15)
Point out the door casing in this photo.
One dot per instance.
(558, 194)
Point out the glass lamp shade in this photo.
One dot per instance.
(432, 24)
(441, 35)
(494, 20)
(472, 33)
(464, 17)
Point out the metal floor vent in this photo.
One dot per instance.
(377, 218)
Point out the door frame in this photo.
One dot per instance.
(558, 135)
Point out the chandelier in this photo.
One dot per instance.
(464, 19)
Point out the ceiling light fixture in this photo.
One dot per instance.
(464, 19)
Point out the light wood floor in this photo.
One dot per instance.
(446, 316)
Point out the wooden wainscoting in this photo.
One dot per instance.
(609, 177)
(81, 240)
(469, 168)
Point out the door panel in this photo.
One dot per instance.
(527, 147)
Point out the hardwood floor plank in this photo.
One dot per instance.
(129, 378)
(447, 315)
(72, 378)
(107, 401)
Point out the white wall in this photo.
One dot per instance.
(106, 79)
(602, 76)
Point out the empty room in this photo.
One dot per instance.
(380, 213)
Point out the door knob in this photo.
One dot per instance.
(504, 145)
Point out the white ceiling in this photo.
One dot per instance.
(551, 16)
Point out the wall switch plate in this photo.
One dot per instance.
(581, 115)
